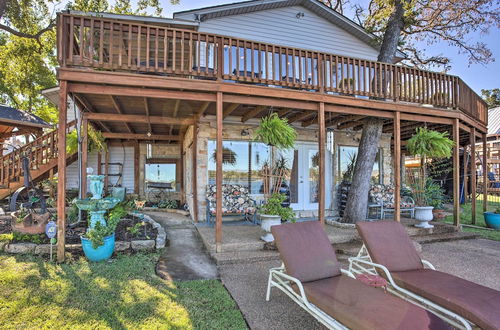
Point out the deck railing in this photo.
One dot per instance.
(39, 152)
(125, 45)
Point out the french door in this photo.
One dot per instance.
(304, 178)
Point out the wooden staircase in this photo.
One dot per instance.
(43, 155)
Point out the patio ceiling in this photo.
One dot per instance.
(148, 118)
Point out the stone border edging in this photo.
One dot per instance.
(340, 224)
(137, 245)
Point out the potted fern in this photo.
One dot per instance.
(426, 144)
(272, 212)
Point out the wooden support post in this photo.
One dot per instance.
(473, 173)
(218, 175)
(397, 166)
(486, 184)
(61, 165)
(137, 155)
(322, 172)
(465, 176)
(106, 168)
(99, 162)
(456, 173)
(194, 174)
(181, 163)
(85, 149)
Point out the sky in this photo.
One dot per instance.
(477, 76)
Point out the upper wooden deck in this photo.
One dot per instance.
(127, 46)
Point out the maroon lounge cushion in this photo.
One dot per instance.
(306, 251)
(361, 307)
(475, 302)
(389, 244)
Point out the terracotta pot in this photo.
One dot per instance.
(438, 214)
(32, 223)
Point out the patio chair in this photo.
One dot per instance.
(311, 276)
(389, 252)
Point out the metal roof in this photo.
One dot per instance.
(494, 120)
(315, 6)
(15, 117)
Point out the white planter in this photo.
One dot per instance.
(266, 222)
(424, 215)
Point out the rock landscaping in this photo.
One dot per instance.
(134, 233)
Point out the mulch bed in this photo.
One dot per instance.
(122, 233)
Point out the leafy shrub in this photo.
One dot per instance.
(273, 207)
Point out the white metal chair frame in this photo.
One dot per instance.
(280, 279)
(363, 264)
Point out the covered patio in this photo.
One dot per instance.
(184, 105)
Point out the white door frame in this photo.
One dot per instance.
(303, 203)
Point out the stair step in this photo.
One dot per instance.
(236, 257)
(445, 237)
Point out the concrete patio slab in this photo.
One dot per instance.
(469, 259)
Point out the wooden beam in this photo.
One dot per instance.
(397, 166)
(84, 104)
(473, 170)
(359, 111)
(309, 122)
(202, 109)
(138, 118)
(106, 169)
(276, 95)
(141, 92)
(345, 119)
(146, 109)
(486, 184)
(182, 165)
(322, 171)
(218, 175)
(353, 123)
(300, 116)
(85, 149)
(230, 109)
(427, 119)
(134, 136)
(456, 173)
(176, 109)
(252, 113)
(61, 165)
(194, 169)
(137, 155)
(114, 101)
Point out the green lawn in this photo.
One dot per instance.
(466, 218)
(122, 294)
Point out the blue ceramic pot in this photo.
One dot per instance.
(492, 220)
(103, 252)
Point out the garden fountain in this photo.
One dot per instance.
(97, 207)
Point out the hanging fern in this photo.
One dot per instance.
(430, 144)
(228, 156)
(276, 131)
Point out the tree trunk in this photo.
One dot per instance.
(357, 200)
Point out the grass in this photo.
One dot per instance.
(122, 294)
(466, 218)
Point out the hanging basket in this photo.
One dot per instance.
(275, 131)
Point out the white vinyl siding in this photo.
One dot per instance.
(281, 26)
(115, 156)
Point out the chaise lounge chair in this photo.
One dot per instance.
(389, 252)
(311, 276)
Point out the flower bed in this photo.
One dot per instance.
(133, 233)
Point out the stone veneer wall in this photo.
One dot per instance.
(232, 131)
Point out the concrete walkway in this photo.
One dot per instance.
(476, 260)
(185, 257)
